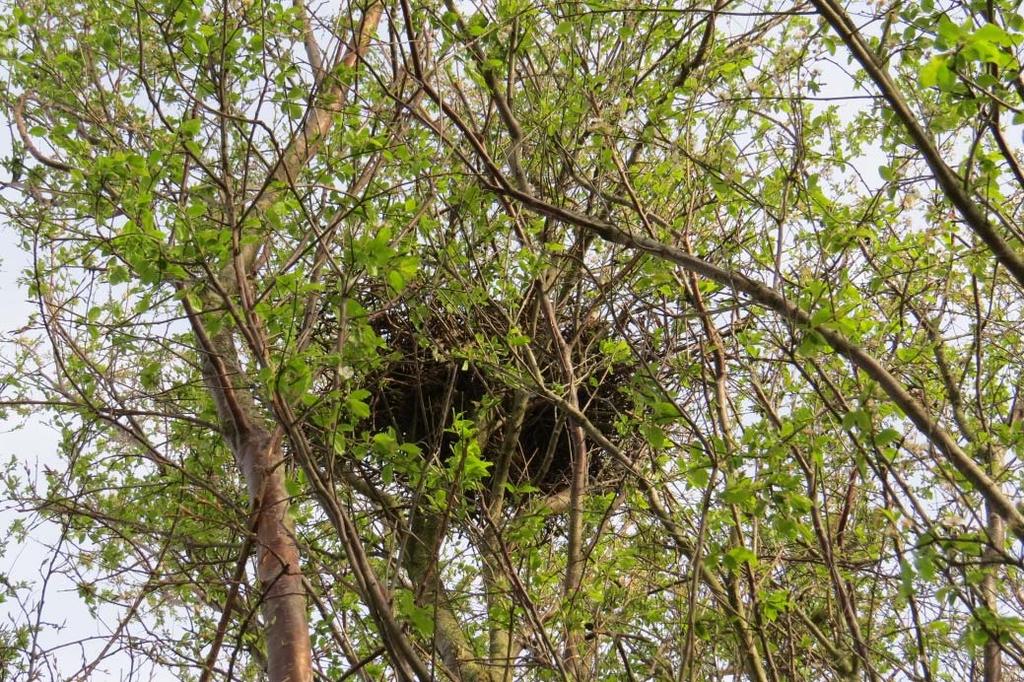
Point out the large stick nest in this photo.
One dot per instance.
(430, 376)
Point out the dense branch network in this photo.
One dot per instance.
(415, 340)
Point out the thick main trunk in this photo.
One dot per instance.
(279, 571)
(258, 455)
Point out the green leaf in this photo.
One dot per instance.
(396, 281)
(294, 378)
(993, 33)
(737, 556)
(118, 274)
(858, 419)
(739, 492)
(150, 375)
(665, 411)
(356, 407)
(798, 503)
(812, 344)
(698, 477)
(934, 72)
(190, 127)
(295, 483)
(515, 337)
(948, 32)
(886, 436)
(422, 619)
(655, 436)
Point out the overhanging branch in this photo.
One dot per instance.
(776, 302)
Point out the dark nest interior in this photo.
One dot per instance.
(429, 377)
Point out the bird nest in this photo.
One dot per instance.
(437, 369)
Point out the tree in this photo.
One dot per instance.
(524, 340)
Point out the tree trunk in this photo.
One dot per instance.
(279, 571)
(258, 455)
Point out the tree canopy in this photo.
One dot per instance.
(521, 339)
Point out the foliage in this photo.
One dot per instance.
(594, 340)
